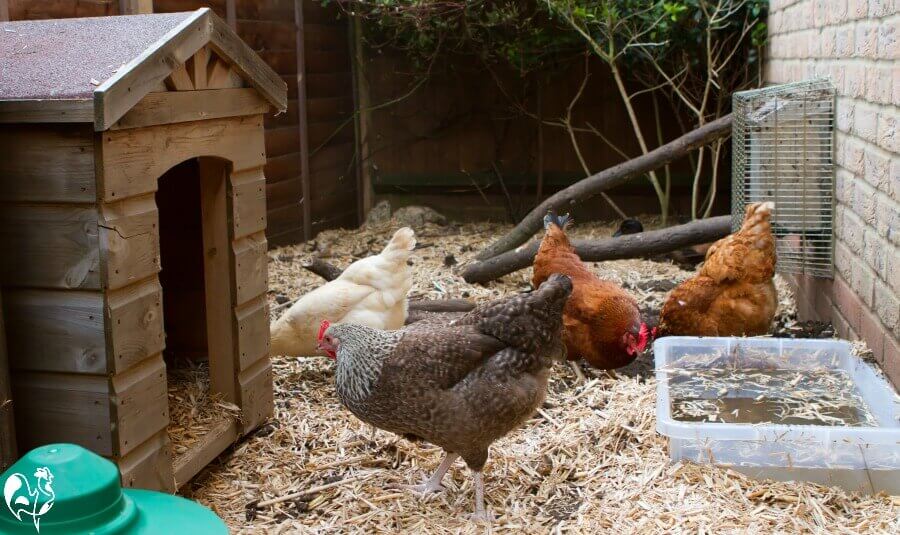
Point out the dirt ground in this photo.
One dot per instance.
(589, 461)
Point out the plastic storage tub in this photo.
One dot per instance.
(861, 459)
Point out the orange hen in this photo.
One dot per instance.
(733, 293)
(602, 322)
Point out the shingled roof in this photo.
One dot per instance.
(96, 69)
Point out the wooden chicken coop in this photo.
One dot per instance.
(132, 232)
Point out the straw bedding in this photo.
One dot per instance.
(589, 461)
(193, 411)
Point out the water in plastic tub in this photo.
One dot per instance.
(779, 408)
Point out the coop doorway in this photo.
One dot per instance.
(195, 277)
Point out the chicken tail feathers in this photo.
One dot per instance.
(531, 322)
(757, 218)
(561, 221)
(403, 241)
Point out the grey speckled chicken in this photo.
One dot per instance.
(460, 384)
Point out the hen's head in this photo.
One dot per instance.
(326, 340)
(635, 339)
(353, 342)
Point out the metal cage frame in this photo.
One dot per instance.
(783, 151)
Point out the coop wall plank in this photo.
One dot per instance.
(54, 407)
(47, 111)
(219, 437)
(49, 246)
(133, 159)
(186, 106)
(256, 394)
(134, 323)
(248, 196)
(56, 330)
(129, 240)
(218, 272)
(148, 466)
(140, 404)
(251, 267)
(47, 163)
(8, 450)
(253, 331)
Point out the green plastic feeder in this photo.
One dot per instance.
(65, 489)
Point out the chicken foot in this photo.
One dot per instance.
(433, 483)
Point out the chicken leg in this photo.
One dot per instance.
(579, 375)
(433, 484)
(481, 514)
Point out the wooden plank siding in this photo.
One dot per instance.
(47, 163)
(135, 324)
(269, 28)
(53, 246)
(140, 404)
(186, 106)
(63, 407)
(133, 159)
(56, 331)
(149, 465)
(129, 240)
(329, 92)
(8, 450)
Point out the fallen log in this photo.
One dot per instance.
(329, 272)
(607, 179)
(629, 246)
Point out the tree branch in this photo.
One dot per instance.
(630, 246)
(609, 178)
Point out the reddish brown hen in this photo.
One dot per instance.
(603, 323)
(733, 293)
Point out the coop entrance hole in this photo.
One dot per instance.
(195, 279)
(181, 256)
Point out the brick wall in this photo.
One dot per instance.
(857, 44)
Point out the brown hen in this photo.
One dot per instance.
(459, 384)
(733, 293)
(603, 323)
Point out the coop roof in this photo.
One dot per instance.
(96, 69)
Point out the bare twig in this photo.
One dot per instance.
(313, 490)
(567, 121)
(510, 211)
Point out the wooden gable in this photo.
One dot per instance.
(180, 52)
(204, 87)
(202, 53)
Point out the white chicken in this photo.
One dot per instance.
(371, 292)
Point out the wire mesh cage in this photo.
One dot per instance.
(783, 152)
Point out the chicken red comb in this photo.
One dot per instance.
(643, 337)
(322, 328)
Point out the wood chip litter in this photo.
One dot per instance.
(590, 462)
